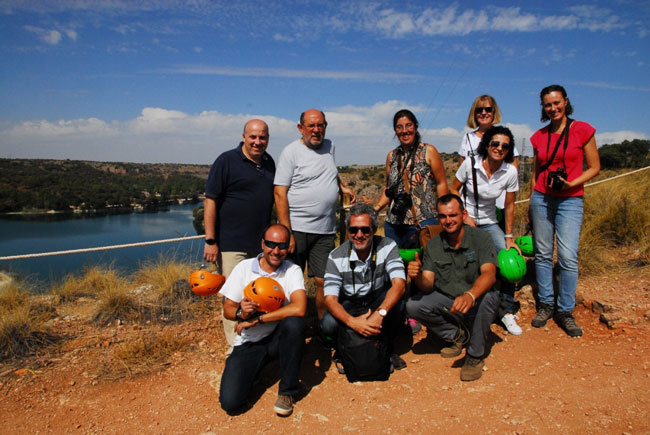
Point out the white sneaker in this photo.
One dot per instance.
(510, 322)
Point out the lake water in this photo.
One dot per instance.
(20, 236)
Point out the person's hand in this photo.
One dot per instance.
(348, 191)
(240, 326)
(210, 253)
(292, 244)
(510, 243)
(469, 221)
(248, 307)
(462, 304)
(375, 320)
(414, 267)
(363, 326)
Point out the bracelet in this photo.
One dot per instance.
(508, 236)
(473, 298)
(259, 319)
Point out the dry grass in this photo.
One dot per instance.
(616, 223)
(616, 220)
(162, 273)
(23, 328)
(93, 281)
(147, 353)
(115, 304)
(174, 300)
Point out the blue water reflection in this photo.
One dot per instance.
(46, 235)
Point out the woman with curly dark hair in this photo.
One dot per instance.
(486, 177)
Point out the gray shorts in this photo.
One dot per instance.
(312, 249)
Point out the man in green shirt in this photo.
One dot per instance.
(456, 277)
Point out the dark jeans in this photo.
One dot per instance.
(246, 360)
(432, 310)
(390, 326)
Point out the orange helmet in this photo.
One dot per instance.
(204, 283)
(267, 292)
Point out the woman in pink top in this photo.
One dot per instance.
(556, 204)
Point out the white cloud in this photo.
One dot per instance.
(289, 73)
(618, 136)
(51, 36)
(361, 134)
(455, 21)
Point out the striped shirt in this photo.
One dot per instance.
(343, 262)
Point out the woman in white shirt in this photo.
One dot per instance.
(483, 114)
(493, 175)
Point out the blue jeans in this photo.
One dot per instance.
(560, 217)
(406, 236)
(246, 360)
(507, 289)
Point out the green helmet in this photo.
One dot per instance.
(525, 243)
(409, 254)
(511, 264)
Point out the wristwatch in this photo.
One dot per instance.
(382, 312)
(238, 317)
(210, 241)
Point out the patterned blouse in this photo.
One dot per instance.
(423, 185)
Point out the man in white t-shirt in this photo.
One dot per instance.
(306, 192)
(278, 334)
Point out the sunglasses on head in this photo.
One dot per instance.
(497, 144)
(272, 245)
(487, 109)
(364, 230)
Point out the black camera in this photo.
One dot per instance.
(391, 191)
(401, 203)
(553, 179)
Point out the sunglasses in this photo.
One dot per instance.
(364, 230)
(497, 144)
(272, 245)
(487, 109)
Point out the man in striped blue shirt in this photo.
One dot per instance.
(364, 274)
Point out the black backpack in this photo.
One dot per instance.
(363, 358)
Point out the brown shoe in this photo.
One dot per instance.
(284, 405)
(472, 369)
(455, 347)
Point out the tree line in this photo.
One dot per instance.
(627, 154)
(63, 185)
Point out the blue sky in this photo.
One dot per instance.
(172, 81)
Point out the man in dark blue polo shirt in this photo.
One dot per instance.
(238, 203)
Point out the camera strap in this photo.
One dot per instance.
(402, 170)
(475, 184)
(373, 266)
(564, 136)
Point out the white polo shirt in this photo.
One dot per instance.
(505, 179)
(289, 276)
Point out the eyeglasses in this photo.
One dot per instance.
(497, 144)
(272, 245)
(364, 230)
(488, 109)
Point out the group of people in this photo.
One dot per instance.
(455, 290)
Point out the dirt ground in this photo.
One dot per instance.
(539, 382)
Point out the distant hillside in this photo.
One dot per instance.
(72, 185)
(67, 185)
